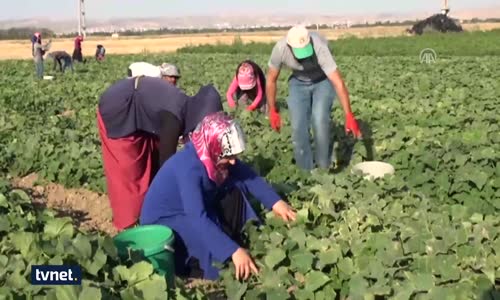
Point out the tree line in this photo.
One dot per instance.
(24, 33)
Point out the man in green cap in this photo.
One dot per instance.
(311, 93)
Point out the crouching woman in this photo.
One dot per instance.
(200, 193)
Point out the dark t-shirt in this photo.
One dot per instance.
(207, 101)
(125, 110)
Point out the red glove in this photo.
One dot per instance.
(275, 120)
(250, 108)
(351, 125)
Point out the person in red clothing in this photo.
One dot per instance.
(100, 53)
(248, 87)
(77, 53)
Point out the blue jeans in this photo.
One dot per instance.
(68, 64)
(39, 69)
(311, 104)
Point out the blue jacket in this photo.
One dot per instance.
(182, 190)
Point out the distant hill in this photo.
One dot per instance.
(227, 21)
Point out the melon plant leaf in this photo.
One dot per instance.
(18, 194)
(297, 235)
(97, 262)
(89, 292)
(139, 271)
(235, 290)
(152, 288)
(59, 227)
(479, 178)
(346, 266)
(23, 241)
(278, 293)
(358, 287)
(330, 256)
(82, 246)
(67, 292)
(3, 201)
(304, 294)
(301, 261)
(314, 280)
(274, 257)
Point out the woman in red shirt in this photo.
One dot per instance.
(77, 53)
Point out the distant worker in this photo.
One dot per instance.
(100, 53)
(311, 94)
(63, 59)
(248, 87)
(77, 53)
(34, 39)
(167, 72)
(170, 73)
(143, 69)
(38, 53)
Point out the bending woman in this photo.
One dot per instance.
(248, 87)
(140, 120)
(201, 194)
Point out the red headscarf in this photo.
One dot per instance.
(217, 136)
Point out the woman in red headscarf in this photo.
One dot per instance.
(200, 193)
(248, 87)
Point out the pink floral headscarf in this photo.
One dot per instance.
(246, 77)
(217, 136)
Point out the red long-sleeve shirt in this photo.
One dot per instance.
(233, 87)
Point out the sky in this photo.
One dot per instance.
(104, 9)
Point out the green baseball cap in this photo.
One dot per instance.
(300, 41)
(304, 52)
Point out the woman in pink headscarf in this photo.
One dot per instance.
(200, 193)
(248, 87)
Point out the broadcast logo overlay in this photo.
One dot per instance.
(56, 275)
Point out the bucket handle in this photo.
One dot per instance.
(169, 248)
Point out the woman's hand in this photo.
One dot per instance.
(243, 264)
(284, 211)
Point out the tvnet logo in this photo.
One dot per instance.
(56, 275)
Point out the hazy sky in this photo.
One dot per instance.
(98, 9)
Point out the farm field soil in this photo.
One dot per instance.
(167, 43)
(89, 210)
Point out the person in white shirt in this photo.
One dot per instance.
(143, 69)
(168, 72)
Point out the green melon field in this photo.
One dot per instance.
(432, 231)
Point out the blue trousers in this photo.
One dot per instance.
(311, 104)
(67, 63)
(39, 68)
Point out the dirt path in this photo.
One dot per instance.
(21, 49)
(89, 210)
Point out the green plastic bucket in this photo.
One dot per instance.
(152, 242)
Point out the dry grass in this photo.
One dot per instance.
(167, 43)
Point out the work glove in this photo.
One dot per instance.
(351, 125)
(275, 120)
(251, 108)
(231, 104)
